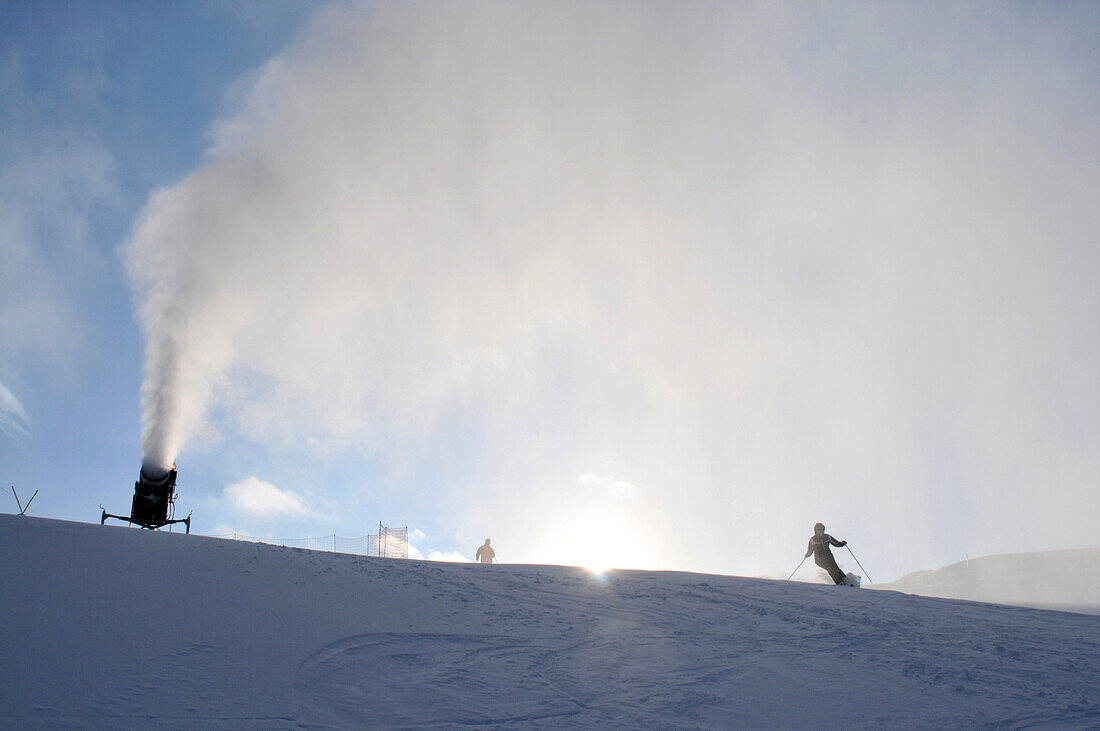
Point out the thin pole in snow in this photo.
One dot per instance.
(796, 568)
(859, 564)
(23, 508)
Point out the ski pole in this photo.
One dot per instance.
(796, 568)
(859, 564)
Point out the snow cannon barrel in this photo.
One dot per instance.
(154, 492)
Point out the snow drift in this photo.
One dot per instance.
(123, 628)
(1049, 579)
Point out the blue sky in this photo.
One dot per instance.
(103, 103)
(585, 278)
(130, 89)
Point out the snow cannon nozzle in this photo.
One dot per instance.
(154, 499)
(154, 472)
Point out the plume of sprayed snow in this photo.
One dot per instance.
(733, 252)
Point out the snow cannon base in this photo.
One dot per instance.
(154, 503)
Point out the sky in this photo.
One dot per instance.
(640, 285)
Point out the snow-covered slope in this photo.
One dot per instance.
(116, 627)
(1050, 579)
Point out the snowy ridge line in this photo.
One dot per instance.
(1067, 579)
(394, 543)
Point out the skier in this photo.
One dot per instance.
(823, 556)
(485, 554)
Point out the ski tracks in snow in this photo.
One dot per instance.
(254, 636)
(556, 647)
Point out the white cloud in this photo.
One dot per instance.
(13, 418)
(432, 554)
(452, 556)
(607, 483)
(256, 497)
(622, 488)
(55, 178)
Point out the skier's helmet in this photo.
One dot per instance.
(819, 528)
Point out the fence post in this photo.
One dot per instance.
(334, 543)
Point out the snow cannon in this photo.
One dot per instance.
(154, 503)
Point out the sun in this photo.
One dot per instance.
(598, 542)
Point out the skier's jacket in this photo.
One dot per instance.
(485, 554)
(819, 547)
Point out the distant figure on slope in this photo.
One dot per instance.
(485, 553)
(823, 555)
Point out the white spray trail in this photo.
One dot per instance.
(754, 269)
